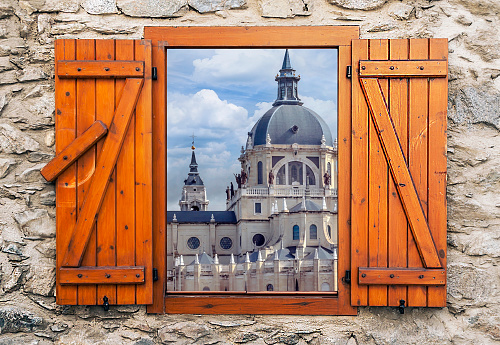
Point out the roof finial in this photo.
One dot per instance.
(192, 143)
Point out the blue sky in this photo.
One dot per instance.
(219, 95)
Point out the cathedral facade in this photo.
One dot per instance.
(279, 229)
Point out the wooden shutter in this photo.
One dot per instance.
(103, 167)
(399, 95)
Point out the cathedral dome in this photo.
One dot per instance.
(288, 124)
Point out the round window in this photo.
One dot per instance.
(259, 240)
(226, 243)
(193, 242)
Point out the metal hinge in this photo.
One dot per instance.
(155, 274)
(349, 72)
(154, 73)
(347, 277)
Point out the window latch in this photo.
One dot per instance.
(347, 277)
(349, 72)
(154, 73)
(155, 274)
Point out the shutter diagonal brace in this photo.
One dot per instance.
(399, 171)
(100, 180)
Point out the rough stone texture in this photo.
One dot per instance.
(285, 8)
(151, 8)
(13, 140)
(28, 29)
(99, 6)
(359, 4)
(204, 6)
(36, 223)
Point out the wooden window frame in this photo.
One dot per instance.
(291, 303)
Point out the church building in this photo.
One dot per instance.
(279, 229)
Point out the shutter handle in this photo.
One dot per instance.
(105, 303)
(401, 306)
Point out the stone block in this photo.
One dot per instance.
(469, 285)
(204, 6)
(99, 6)
(47, 248)
(13, 140)
(401, 11)
(364, 5)
(473, 105)
(41, 279)
(8, 77)
(32, 73)
(32, 6)
(36, 223)
(285, 8)
(6, 165)
(13, 320)
(48, 199)
(6, 10)
(14, 281)
(31, 174)
(151, 8)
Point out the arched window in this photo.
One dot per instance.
(206, 288)
(280, 177)
(310, 179)
(295, 172)
(296, 232)
(325, 287)
(270, 287)
(313, 232)
(260, 174)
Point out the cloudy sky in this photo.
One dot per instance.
(219, 95)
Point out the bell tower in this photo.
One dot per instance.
(287, 84)
(194, 195)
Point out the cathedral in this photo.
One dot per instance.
(279, 229)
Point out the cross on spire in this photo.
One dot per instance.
(193, 136)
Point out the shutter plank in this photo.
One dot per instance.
(73, 151)
(403, 69)
(417, 158)
(106, 239)
(101, 69)
(402, 276)
(438, 92)
(144, 176)
(81, 234)
(125, 184)
(103, 276)
(85, 50)
(400, 172)
(398, 226)
(377, 195)
(359, 201)
(66, 208)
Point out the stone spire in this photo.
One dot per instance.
(194, 196)
(287, 84)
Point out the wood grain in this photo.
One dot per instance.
(102, 275)
(417, 157)
(403, 68)
(241, 37)
(112, 145)
(377, 190)
(86, 100)
(400, 173)
(438, 105)
(125, 187)
(66, 203)
(402, 276)
(73, 151)
(159, 137)
(398, 226)
(359, 189)
(106, 222)
(144, 176)
(100, 69)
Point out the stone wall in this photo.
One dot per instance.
(28, 313)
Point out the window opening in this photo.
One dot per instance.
(260, 173)
(296, 232)
(313, 232)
